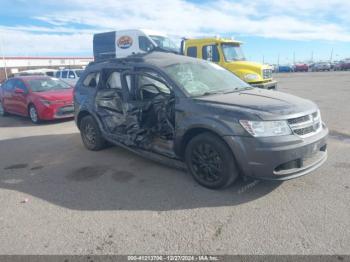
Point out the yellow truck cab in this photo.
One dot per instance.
(228, 54)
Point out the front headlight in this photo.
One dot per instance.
(251, 77)
(45, 102)
(266, 128)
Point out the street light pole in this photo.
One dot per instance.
(3, 55)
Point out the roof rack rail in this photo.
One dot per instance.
(119, 60)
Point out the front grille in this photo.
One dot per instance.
(298, 120)
(304, 131)
(306, 125)
(267, 73)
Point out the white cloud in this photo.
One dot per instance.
(26, 43)
(293, 20)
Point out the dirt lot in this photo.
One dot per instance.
(58, 198)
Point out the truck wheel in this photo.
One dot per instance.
(91, 134)
(2, 110)
(211, 161)
(33, 114)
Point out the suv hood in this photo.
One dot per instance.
(267, 104)
(56, 95)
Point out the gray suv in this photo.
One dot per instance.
(194, 114)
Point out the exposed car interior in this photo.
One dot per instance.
(137, 109)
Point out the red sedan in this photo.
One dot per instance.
(39, 97)
(301, 68)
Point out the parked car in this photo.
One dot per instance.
(301, 68)
(177, 109)
(337, 65)
(71, 76)
(43, 71)
(345, 65)
(321, 66)
(39, 97)
(285, 68)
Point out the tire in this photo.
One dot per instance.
(91, 134)
(33, 114)
(2, 110)
(210, 161)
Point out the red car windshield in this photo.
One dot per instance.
(47, 84)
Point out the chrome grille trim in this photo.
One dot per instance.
(267, 73)
(306, 125)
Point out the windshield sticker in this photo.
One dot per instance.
(124, 42)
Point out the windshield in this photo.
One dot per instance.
(164, 42)
(47, 84)
(200, 78)
(233, 52)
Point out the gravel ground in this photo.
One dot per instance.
(58, 198)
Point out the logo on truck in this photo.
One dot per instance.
(124, 42)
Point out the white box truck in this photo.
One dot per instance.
(123, 43)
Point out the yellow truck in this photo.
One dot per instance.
(228, 54)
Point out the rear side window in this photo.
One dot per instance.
(19, 84)
(210, 53)
(92, 80)
(58, 73)
(64, 74)
(114, 81)
(192, 51)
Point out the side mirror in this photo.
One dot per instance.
(19, 91)
(71, 76)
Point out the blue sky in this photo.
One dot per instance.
(268, 28)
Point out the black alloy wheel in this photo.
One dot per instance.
(210, 161)
(91, 134)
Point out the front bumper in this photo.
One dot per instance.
(56, 112)
(279, 158)
(267, 85)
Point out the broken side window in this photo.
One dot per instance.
(92, 80)
(114, 81)
(153, 84)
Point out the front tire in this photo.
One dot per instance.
(210, 161)
(91, 134)
(33, 114)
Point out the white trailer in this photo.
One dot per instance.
(123, 43)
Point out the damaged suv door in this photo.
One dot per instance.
(136, 108)
(112, 105)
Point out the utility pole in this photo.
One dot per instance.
(3, 55)
(330, 60)
(294, 58)
(312, 56)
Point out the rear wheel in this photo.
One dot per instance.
(91, 134)
(33, 114)
(210, 161)
(2, 110)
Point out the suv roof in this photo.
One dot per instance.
(158, 59)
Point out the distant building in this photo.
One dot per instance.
(15, 64)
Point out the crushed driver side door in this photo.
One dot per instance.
(113, 107)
